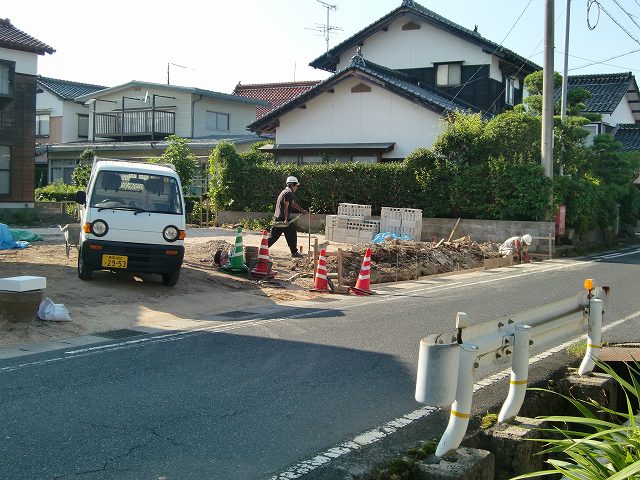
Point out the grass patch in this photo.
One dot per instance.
(406, 467)
(488, 421)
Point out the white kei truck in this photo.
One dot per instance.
(132, 219)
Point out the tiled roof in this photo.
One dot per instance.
(607, 90)
(329, 60)
(276, 94)
(66, 89)
(628, 134)
(397, 82)
(14, 39)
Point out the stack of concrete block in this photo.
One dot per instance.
(402, 221)
(352, 224)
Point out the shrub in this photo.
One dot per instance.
(56, 192)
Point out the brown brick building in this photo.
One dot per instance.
(18, 70)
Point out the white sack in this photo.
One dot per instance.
(55, 312)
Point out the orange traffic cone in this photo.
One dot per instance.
(262, 268)
(320, 283)
(362, 284)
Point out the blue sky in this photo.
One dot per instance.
(222, 42)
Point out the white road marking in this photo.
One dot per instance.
(377, 434)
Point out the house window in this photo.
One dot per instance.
(361, 88)
(61, 170)
(83, 126)
(6, 77)
(5, 170)
(448, 74)
(411, 26)
(42, 124)
(217, 121)
(510, 91)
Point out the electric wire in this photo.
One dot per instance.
(613, 19)
(631, 17)
(499, 46)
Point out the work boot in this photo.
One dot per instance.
(297, 255)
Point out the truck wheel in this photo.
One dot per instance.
(84, 272)
(171, 279)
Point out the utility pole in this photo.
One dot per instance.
(565, 79)
(547, 91)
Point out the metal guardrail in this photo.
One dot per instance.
(448, 365)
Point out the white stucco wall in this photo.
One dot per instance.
(240, 115)
(398, 49)
(622, 114)
(26, 63)
(346, 117)
(70, 121)
(47, 101)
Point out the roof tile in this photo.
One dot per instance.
(14, 39)
(66, 89)
(277, 94)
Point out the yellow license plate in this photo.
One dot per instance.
(114, 261)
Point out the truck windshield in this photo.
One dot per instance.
(136, 191)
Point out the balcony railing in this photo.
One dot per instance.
(140, 123)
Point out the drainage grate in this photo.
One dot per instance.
(236, 314)
(118, 334)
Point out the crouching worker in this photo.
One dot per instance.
(517, 246)
(282, 217)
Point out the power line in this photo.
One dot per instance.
(613, 19)
(628, 14)
(494, 51)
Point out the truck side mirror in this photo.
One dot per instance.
(81, 197)
(189, 204)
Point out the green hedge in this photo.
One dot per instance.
(56, 192)
(424, 180)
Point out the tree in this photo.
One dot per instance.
(80, 175)
(182, 158)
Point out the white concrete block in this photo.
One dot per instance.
(24, 283)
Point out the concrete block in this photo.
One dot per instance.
(464, 464)
(24, 283)
(599, 387)
(20, 306)
(490, 263)
(515, 452)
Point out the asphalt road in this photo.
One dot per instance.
(255, 395)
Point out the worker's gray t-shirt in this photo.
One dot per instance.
(286, 195)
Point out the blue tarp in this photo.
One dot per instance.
(382, 236)
(6, 239)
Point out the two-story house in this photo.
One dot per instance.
(393, 83)
(133, 120)
(18, 70)
(60, 118)
(616, 98)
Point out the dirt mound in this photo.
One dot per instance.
(395, 260)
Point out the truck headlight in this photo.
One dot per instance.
(99, 228)
(170, 233)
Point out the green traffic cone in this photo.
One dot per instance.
(236, 261)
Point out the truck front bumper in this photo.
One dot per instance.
(140, 258)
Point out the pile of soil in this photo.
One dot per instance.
(396, 260)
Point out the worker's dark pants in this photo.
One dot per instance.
(289, 233)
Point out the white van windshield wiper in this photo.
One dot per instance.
(135, 210)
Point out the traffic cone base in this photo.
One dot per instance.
(236, 260)
(362, 284)
(320, 282)
(263, 266)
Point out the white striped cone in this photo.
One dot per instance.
(363, 283)
(320, 283)
(262, 266)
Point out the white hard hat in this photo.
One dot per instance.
(526, 238)
(292, 180)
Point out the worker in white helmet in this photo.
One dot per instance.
(517, 246)
(282, 217)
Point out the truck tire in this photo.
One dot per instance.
(170, 279)
(84, 272)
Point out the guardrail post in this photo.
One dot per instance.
(461, 407)
(519, 374)
(594, 336)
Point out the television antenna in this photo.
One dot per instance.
(325, 30)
